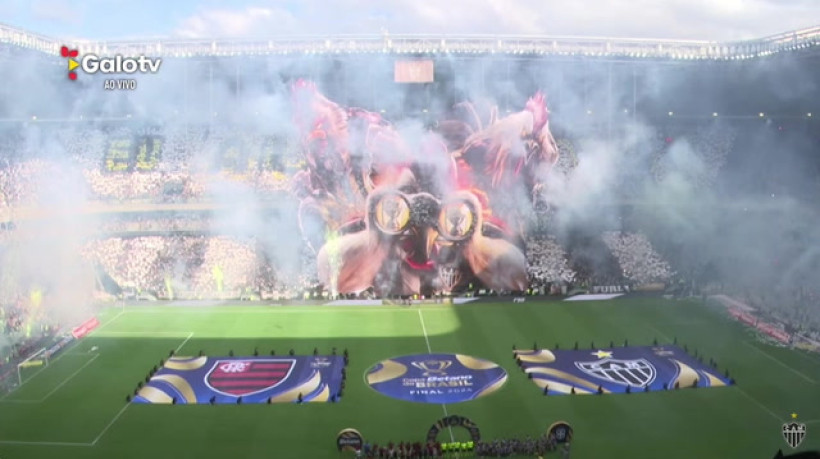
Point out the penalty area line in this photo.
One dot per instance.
(57, 443)
(111, 423)
(64, 352)
(430, 351)
(50, 363)
(65, 381)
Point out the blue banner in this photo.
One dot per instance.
(616, 370)
(436, 378)
(188, 380)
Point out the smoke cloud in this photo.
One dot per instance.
(723, 201)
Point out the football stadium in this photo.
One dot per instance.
(409, 246)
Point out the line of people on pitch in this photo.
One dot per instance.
(497, 448)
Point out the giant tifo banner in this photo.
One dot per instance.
(421, 213)
(191, 380)
(616, 370)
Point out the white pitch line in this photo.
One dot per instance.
(745, 394)
(183, 343)
(42, 443)
(146, 334)
(69, 378)
(50, 363)
(430, 351)
(775, 359)
(56, 388)
(108, 322)
(3, 398)
(93, 443)
(754, 400)
(117, 416)
(283, 310)
(424, 329)
(65, 352)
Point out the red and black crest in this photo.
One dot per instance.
(238, 377)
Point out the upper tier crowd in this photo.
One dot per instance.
(197, 267)
(189, 167)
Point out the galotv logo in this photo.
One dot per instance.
(93, 64)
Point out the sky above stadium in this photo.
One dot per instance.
(678, 19)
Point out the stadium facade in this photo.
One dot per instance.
(590, 81)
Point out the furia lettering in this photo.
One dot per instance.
(92, 63)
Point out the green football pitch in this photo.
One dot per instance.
(75, 407)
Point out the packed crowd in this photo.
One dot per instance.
(20, 183)
(184, 222)
(14, 318)
(190, 265)
(699, 157)
(794, 309)
(97, 170)
(178, 186)
(547, 263)
(193, 266)
(26, 328)
(157, 186)
(640, 263)
(190, 159)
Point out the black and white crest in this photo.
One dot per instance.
(635, 373)
(794, 433)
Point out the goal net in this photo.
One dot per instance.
(31, 364)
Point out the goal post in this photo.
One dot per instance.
(37, 359)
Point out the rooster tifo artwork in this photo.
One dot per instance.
(430, 212)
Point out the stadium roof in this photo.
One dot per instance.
(428, 44)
